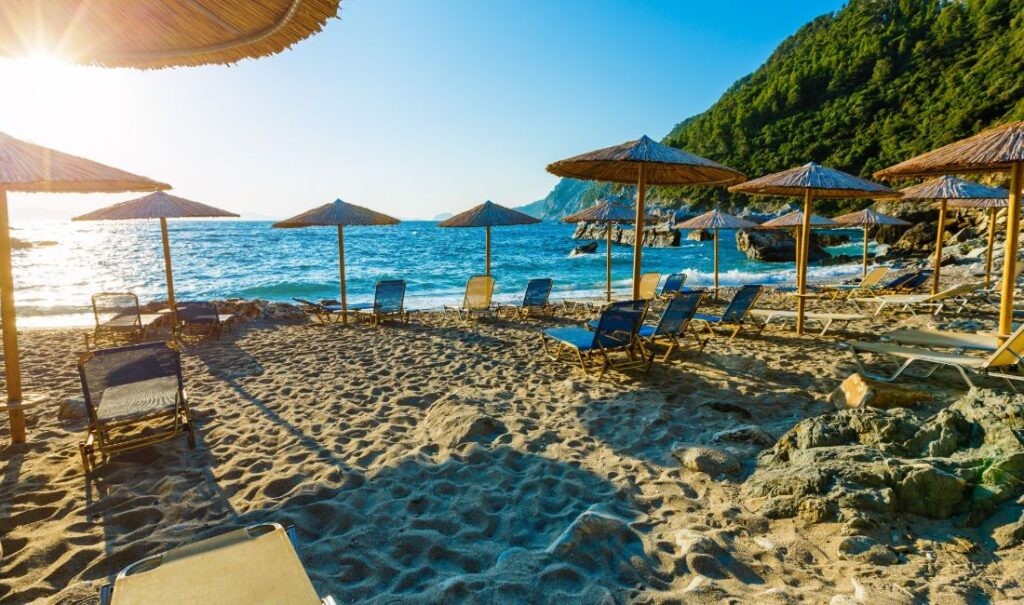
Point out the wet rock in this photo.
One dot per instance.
(656, 236)
(708, 460)
(859, 391)
(590, 248)
(773, 246)
(868, 550)
(699, 235)
(748, 433)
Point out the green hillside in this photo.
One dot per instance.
(868, 86)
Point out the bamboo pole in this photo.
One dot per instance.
(11, 362)
(938, 246)
(991, 240)
(171, 303)
(799, 250)
(805, 239)
(864, 273)
(1010, 259)
(341, 267)
(608, 262)
(488, 245)
(716, 263)
(638, 234)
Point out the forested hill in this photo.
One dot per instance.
(868, 86)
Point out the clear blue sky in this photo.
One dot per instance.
(406, 106)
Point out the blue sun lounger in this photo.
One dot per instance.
(388, 301)
(674, 320)
(616, 332)
(536, 299)
(735, 314)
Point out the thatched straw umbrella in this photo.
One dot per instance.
(992, 205)
(809, 181)
(644, 162)
(487, 215)
(30, 168)
(868, 218)
(607, 213)
(713, 221)
(999, 149)
(161, 206)
(338, 214)
(795, 220)
(942, 190)
(159, 33)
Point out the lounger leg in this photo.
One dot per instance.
(963, 374)
(860, 368)
(825, 327)
(735, 331)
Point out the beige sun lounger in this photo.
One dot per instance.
(256, 564)
(957, 295)
(866, 285)
(477, 299)
(1008, 354)
(648, 287)
(825, 320)
(943, 339)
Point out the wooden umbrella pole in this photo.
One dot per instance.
(488, 245)
(805, 239)
(938, 246)
(991, 241)
(1010, 259)
(341, 268)
(638, 233)
(716, 263)
(11, 362)
(608, 262)
(864, 273)
(171, 303)
(799, 251)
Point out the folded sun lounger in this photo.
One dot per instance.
(955, 295)
(202, 318)
(825, 320)
(1008, 354)
(323, 311)
(255, 564)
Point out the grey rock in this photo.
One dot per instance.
(72, 408)
(748, 433)
(708, 460)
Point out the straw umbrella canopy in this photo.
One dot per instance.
(159, 33)
(795, 220)
(25, 167)
(713, 221)
(942, 190)
(487, 215)
(998, 149)
(810, 181)
(868, 218)
(338, 214)
(607, 213)
(644, 162)
(992, 205)
(158, 205)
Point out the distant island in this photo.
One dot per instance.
(443, 216)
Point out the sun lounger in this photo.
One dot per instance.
(323, 311)
(825, 320)
(118, 320)
(959, 341)
(673, 285)
(735, 314)
(255, 564)
(536, 299)
(129, 386)
(202, 318)
(906, 283)
(388, 301)
(616, 333)
(870, 282)
(477, 299)
(953, 296)
(675, 319)
(1007, 355)
(648, 287)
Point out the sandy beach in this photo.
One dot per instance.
(448, 462)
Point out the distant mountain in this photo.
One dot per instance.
(862, 88)
(571, 195)
(443, 216)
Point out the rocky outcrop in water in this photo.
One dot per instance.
(773, 246)
(585, 249)
(661, 235)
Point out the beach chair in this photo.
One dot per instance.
(1002, 358)
(825, 320)
(536, 299)
(118, 319)
(134, 397)
(674, 321)
(673, 285)
(905, 283)
(388, 301)
(735, 314)
(477, 299)
(616, 332)
(323, 311)
(202, 318)
(255, 564)
(944, 339)
(956, 296)
(870, 282)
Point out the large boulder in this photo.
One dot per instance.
(661, 235)
(773, 246)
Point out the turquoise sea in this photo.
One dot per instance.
(248, 259)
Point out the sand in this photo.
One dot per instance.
(448, 462)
